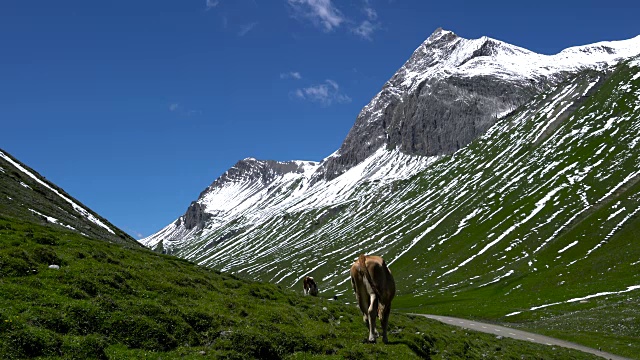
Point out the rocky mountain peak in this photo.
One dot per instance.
(430, 67)
(440, 36)
(265, 171)
(453, 89)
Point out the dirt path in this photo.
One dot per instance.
(518, 334)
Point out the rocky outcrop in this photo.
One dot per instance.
(195, 217)
(437, 115)
(263, 171)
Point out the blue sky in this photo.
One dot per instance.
(134, 107)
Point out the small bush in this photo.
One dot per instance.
(5, 226)
(74, 292)
(88, 286)
(254, 344)
(16, 263)
(50, 319)
(115, 281)
(46, 239)
(264, 291)
(85, 317)
(317, 313)
(32, 341)
(201, 321)
(84, 347)
(46, 255)
(354, 354)
(138, 332)
(100, 256)
(232, 284)
(106, 303)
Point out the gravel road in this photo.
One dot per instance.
(518, 334)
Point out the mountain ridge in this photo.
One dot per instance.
(27, 194)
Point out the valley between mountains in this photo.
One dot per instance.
(498, 184)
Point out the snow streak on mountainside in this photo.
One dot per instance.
(252, 192)
(544, 193)
(26, 195)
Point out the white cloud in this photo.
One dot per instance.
(325, 15)
(325, 94)
(365, 29)
(291, 75)
(244, 29)
(369, 25)
(333, 84)
(371, 13)
(180, 110)
(321, 12)
(212, 3)
(134, 233)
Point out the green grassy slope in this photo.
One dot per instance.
(23, 197)
(110, 302)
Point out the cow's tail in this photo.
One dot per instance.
(362, 262)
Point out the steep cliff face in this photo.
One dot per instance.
(195, 218)
(443, 116)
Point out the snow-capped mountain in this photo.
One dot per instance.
(451, 90)
(447, 94)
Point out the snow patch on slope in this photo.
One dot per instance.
(52, 219)
(584, 298)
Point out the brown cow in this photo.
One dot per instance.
(375, 288)
(310, 286)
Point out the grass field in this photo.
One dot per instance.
(107, 301)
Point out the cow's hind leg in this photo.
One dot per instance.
(364, 303)
(384, 322)
(371, 314)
